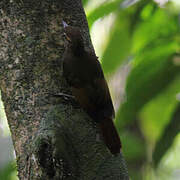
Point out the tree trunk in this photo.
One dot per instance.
(52, 136)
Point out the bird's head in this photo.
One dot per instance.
(73, 34)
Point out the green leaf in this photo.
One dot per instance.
(170, 132)
(119, 45)
(155, 40)
(102, 10)
(157, 113)
(85, 2)
(156, 24)
(152, 72)
(7, 172)
(133, 146)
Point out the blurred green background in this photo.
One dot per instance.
(138, 44)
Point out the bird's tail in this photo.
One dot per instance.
(110, 135)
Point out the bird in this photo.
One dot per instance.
(82, 71)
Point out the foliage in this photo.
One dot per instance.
(147, 37)
(8, 172)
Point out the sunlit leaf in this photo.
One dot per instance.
(156, 24)
(154, 43)
(151, 73)
(85, 2)
(157, 113)
(7, 172)
(170, 132)
(118, 47)
(102, 10)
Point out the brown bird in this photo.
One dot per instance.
(84, 74)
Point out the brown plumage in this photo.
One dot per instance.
(84, 74)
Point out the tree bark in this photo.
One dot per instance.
(52, 136)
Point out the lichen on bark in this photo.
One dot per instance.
(53, 138)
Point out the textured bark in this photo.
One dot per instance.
(53, 138)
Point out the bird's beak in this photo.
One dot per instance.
(65, 25)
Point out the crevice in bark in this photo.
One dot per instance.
(45, 158)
